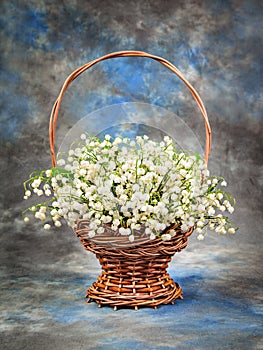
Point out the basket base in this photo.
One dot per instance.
(148, 293)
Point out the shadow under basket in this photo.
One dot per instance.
(133, 273)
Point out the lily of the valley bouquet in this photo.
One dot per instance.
(131, 186)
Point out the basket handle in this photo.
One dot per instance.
(80, 70)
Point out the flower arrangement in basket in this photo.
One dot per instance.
(132, 202)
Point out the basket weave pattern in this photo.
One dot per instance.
(134, 274)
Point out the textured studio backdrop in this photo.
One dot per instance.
(217, 45)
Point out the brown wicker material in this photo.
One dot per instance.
(82, 69)
(134, 274)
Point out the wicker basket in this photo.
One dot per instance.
(134, 274)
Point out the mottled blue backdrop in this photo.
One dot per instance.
(44, 275)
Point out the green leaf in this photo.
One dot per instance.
(62, 171)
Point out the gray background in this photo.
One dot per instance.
(44, 275)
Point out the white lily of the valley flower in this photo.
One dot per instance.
(131, 184)
(231, 230)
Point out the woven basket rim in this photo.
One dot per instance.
(112, 239)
